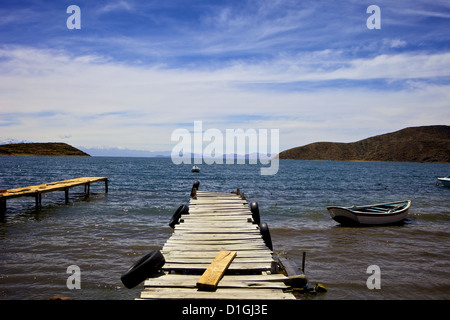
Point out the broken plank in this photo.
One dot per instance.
(216, 270)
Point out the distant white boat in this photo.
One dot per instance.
(445, 181)
(195, 169)
(373, 214)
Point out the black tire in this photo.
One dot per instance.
(255, 212)
(264, 229)
(183, 209)
(149, 264)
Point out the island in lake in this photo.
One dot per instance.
(41, 149)
(414, 144)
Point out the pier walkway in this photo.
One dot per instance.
(38, 190)
(217, 222)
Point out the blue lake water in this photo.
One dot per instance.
(105, 233)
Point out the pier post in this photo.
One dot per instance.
(303, 262)
(66, 194)
(38, 200)
(106, 186)
(88, 189)
(2, 206)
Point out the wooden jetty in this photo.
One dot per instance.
(216, 223)
(38, 190)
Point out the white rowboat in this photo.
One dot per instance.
(373, 214)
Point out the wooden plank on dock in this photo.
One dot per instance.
(268, 281)
(220, 293)
(186, 252)
(215, 271)
(235, 267)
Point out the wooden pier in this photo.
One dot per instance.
(217, 222)
(38, 190)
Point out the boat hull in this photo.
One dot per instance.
(350, 216)
(445, 181)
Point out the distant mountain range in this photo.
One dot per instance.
(120, 152)
(63, 149)
(414, 144)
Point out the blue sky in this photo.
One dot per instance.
(138, 70)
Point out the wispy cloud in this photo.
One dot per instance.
(91, 97)
(119, 5)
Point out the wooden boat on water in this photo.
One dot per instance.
(373, 214)
(445, 181)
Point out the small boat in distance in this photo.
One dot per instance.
(195, 169)
(372, 214)
(445, 181)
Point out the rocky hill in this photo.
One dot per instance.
(414, 144)
(40, 149)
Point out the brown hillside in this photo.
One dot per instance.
(415, 144)
(40, 149)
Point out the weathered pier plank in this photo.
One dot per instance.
(253, 293)
(268, 281)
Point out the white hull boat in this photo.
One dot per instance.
(373, 214)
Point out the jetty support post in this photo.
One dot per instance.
(303, 262)
(87, 189)
(38, 200)
(66, 194)
(88, 186)
(2, 206)
(106, 185)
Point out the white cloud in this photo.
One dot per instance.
(47, 94)
(397, 43)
